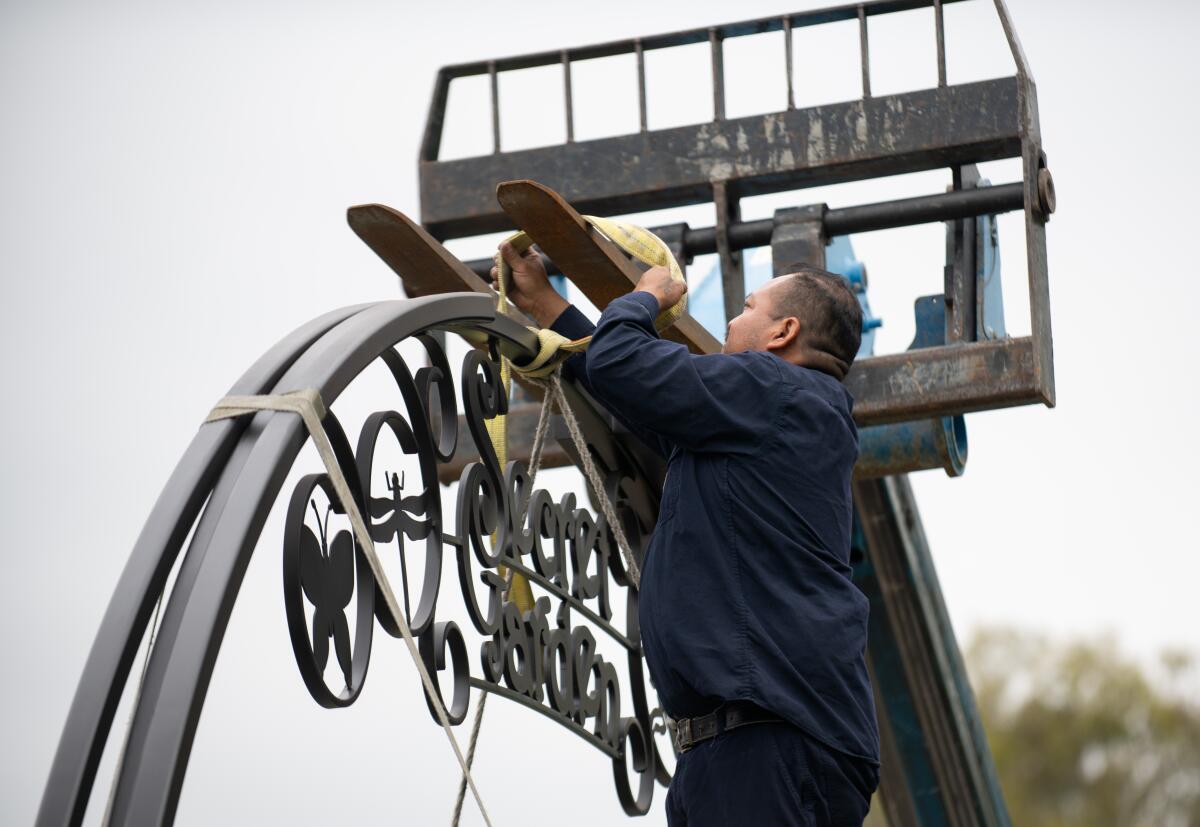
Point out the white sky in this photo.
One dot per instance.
(174, 179)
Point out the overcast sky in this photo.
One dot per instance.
(173, 180)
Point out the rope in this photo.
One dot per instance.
(554, 395)
(554, 385)
(554, 349)
(308, 405)
(544, 371)
(535, 462)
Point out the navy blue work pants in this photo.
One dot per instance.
(769, 774)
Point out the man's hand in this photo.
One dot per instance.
(529, 288)
(657, 282)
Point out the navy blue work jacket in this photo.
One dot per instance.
(746, 591)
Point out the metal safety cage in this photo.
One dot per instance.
(723, 160)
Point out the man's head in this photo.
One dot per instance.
(809, 318)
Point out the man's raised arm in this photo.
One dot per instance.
(532, 292)
(715, 402)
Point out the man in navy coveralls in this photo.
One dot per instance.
(754, 634)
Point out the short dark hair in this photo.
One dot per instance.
(826, 307)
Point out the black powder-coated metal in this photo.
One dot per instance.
(123, 626)
(228, 482)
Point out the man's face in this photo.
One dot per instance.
(757, 325)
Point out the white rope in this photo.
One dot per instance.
(554, 394)
(308, 406)
(593, 474)
(462, 784)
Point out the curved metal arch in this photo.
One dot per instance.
(89, 720)
(200, 604)
(229, 479)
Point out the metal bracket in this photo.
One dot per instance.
(798, 238)
(733, 280)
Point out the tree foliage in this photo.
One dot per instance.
(1084, 735)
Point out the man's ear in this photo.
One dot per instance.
(786, 332)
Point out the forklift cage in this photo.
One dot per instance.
(724, 160)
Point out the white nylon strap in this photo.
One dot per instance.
(308, 405)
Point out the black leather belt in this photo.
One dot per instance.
(731, 715)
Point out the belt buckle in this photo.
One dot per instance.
(683, 735)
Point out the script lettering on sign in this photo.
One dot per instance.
(545, 657)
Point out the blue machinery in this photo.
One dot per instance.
(899, 447)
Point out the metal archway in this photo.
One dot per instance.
(224, 487)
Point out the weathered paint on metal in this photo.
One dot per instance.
(903, 447)
(783, 151)
(688, 242)
(942, 772)
(944, 380)
(597, 266)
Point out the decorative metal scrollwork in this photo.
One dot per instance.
(540, 657)
(324, 571)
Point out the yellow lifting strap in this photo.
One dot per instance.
(554, 348)
(638, 242)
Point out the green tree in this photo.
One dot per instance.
(1083, 736)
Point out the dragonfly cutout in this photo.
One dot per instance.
(398, 516)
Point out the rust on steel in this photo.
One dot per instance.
(936, 380)
(593, 263)
(424, 266)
